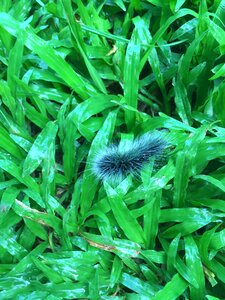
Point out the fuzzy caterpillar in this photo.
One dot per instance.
(115, 162)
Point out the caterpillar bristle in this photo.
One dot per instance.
(115, 162)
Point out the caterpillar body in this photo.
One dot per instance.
(115, 162)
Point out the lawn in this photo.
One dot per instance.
(76, 77)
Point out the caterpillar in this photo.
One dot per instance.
(117, 161)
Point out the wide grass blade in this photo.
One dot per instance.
(172, 289)
(40, 148)
(131, 78)
(123, 216)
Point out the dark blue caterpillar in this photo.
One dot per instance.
(115, 163)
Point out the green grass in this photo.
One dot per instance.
(76, 75)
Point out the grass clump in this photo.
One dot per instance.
(76, 76)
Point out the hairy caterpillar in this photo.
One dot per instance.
(115, 162)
